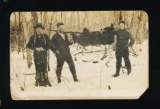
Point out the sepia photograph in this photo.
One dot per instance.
(63, 55)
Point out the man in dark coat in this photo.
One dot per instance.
(60, 46)
(40, 43)
(123, 37)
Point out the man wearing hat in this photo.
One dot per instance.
(60, 47)
(123, 37)
(40, 43)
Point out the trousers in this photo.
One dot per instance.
(125, 54)
(40, 60)
(60, 62)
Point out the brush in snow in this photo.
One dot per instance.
(22, 89)
(104, 56)
(95, 62)
(107, 64)
(89, 60)
(125, 70)
(109, 87)
(29, 73)
(134, 53)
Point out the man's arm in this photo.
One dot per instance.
(48, 43)
(30, 44)
(115, 41)
(53, 43)
(132, 40)
(70, 42)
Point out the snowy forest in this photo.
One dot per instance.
(96, 79)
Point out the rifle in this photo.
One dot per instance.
(71, 32)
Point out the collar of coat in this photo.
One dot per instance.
(62, 35)
(38, 35)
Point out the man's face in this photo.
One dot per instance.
(121, 26)
(60, 28)
(39, 30)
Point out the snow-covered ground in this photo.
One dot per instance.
(96, 81)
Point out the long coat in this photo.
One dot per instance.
(40, 58)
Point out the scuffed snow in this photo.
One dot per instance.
(95, 78)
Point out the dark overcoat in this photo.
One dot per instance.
(40, 57)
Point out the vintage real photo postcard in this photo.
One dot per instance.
(62, 55)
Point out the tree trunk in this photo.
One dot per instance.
(31, 32)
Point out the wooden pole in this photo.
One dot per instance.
(15, 31)
(19, 33)
(23, 41)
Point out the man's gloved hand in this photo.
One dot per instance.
(57, 52)
(39, 49)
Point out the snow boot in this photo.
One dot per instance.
(59, 79)
(48, 83)
(116, 75)
(75, 78)
(117, 72)
(44, 84)
(40, 83)
(129, 70)
(36, 83)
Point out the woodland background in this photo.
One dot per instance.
(22, 23)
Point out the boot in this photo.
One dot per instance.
(40, 83)
(37, 79)
(48, 83)
(59, 79)
(129, 70)
(43, 83)
(75, 78)
(117, 72)
(36, 83)
(116, 75)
